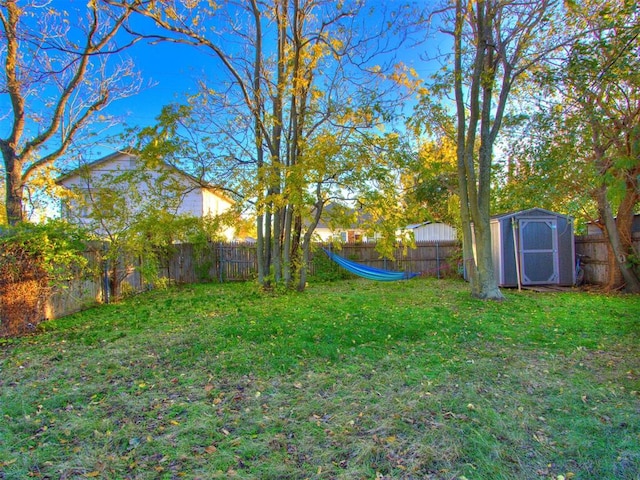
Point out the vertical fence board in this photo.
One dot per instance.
(595, 249)
(80, 292)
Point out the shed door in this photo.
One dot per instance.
(539, 251)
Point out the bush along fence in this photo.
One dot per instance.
(24, 291)
(35, 262)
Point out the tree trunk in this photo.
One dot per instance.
(306, 256)
(486, 287)
(306, 239)
(468, 259)
(14, 186)
(260, 248)
(276, 251)
(287, 253)
(268, 240)
(620, 251)
(475, 182)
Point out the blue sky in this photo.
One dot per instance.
(174, 70)
(171, 71)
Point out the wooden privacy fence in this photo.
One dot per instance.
(595, 249)
(229, 262)
(222, 262)
(232, 262)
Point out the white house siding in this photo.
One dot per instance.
(352, 235)
(323, 234)
(192, 203)
(213, 204)
(432, 232)
(117, 164)
(197, 201)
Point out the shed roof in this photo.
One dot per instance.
(541, 211)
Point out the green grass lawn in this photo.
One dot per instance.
(349, 380)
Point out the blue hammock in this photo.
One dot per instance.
(370, 273)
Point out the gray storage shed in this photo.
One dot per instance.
(533, 247)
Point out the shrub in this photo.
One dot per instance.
(34, 259)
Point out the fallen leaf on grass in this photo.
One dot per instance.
(211, 449)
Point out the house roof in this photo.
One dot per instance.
(635, 226)
(128, 152)
(91, 165)
(413, 226)
(327, 213)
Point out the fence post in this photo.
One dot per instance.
(220, 261)
(437, 259)
(105, 276)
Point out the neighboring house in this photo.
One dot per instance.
(334, 226)
(432, 232)
(193, 198)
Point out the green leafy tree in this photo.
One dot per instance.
(295, 76)
(540, 166)
(599, 126)
(577, 150)
(135, 212)
(432, 184)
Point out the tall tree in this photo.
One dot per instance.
(294, 73)
(56, 78)
(495, 44)
(600, 86)
(580, 143)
